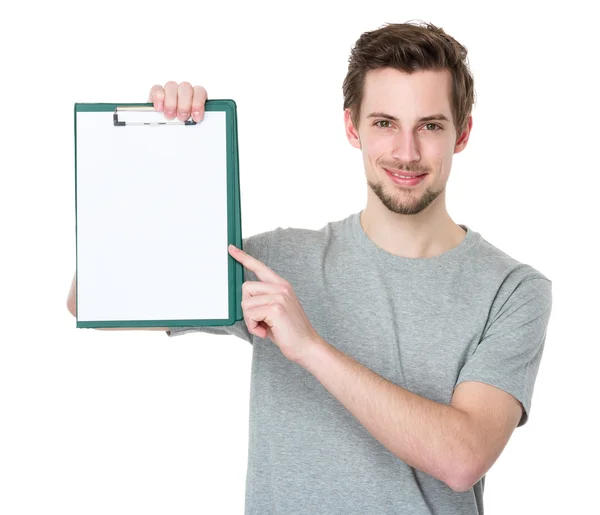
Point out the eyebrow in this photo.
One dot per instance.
(439, 117)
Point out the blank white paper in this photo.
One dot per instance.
(151, 219)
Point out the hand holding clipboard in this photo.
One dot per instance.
(179, 100)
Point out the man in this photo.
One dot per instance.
(394, 351)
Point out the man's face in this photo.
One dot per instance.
(393, 137)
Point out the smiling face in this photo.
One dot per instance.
(396, 133)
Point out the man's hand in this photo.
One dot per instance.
(179, 100)
(271, 309)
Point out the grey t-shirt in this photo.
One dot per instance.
(472, 313)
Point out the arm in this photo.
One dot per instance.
(71, 301)
(456, 444)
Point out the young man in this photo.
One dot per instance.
(394, 351)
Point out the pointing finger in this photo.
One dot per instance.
(262, 271)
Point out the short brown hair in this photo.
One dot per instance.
(409, 48)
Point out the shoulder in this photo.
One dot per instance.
(497, 266)
(290, 243)
(519, 292)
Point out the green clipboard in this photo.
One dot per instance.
(124, 150)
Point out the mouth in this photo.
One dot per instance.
(410, 179)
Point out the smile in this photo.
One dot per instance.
(408, 181)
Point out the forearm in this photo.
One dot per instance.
(71, 300)
(429, 436)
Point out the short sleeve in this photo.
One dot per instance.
(509, 353)
(257, 246)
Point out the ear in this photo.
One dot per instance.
(351, 132)
(461, 142)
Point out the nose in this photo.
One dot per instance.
(405, 148)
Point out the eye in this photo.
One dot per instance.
(436, 129)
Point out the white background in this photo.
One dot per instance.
(133, 422)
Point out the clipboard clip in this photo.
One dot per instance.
(158, 121)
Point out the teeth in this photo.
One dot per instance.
(404, 176)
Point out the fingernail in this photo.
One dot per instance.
(170, 113)
(159, 106)
(196, 116)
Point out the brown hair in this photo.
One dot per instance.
(409, 48)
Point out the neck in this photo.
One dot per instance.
(426, 234)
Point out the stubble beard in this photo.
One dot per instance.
(402, 200)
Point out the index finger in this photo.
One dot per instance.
(262, 271)
(157, 97)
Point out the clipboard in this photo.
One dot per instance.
(157, 203)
